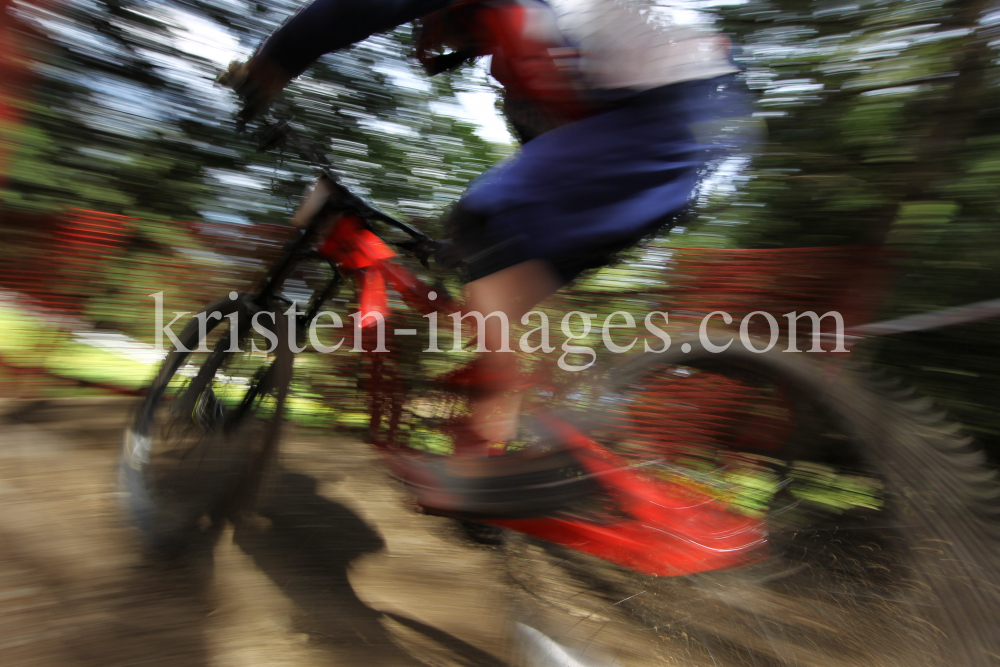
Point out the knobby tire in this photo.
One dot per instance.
(205, 437)
(913, 583)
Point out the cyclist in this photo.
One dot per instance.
(602, 102)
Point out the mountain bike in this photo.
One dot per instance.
(863, 509)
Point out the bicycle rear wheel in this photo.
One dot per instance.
(883, 548)
(207, 431)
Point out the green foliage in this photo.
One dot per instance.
(882, 122)
(882, 128)
(124, 118)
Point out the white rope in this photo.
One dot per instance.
(973, 312)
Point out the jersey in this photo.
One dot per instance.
(555, 67)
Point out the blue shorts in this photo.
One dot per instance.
(577, 194)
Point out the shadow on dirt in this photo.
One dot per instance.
(307, 552)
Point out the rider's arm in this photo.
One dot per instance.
(327, 25)
(522, 37)
(318, 28)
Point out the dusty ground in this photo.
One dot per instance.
(342, 572)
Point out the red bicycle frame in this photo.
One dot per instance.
(663, 528)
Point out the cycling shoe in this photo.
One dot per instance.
(515, 485)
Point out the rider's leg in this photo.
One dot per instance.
(513, 291)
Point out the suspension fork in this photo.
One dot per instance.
(329, 292)
(262, 380)
(298, 250)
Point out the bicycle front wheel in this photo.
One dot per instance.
(208, 428)
(883, 549)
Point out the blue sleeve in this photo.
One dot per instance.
(327, 25)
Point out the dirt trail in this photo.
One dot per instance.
(341, 572)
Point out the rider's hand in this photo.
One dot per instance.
(256, 81)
